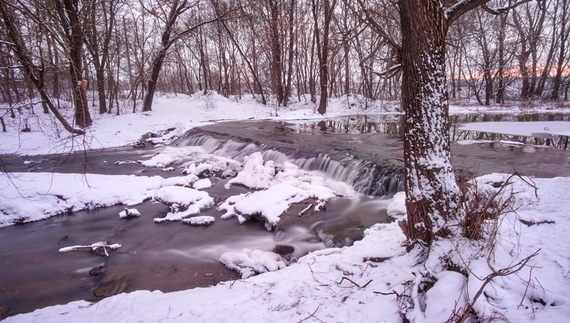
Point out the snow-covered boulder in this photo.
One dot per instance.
(249, 262)
(129, 213)
(397, 208)
(202, 184)
(255, 174)
(183, 201)
(199, 221)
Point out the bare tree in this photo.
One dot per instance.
(529, 22)
(432, 194)
(8, 13)
(99, 30)
(322, 42)
(69, 19)
(563, 24)
(171, 32)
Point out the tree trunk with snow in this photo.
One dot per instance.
(70, 21)
(432, 195)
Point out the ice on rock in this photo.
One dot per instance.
(197, 221)
(97, 247)
(281, 186)
(183, 201)
(397, 208)
(129, 213)
(249, 262)
(187, 180)
(255, 174)
(202, 184)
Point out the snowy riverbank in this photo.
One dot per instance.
(361, 283)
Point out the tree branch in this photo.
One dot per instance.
(460, 8)
(198, 25)
(372, 23)
(457, 10)
(498, 11)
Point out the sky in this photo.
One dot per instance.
(370, 281)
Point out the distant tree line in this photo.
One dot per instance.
(107, 54)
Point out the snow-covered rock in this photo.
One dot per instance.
(204, 220)
(129, 213)
(249, 262)
(183, 201)
(397, 208)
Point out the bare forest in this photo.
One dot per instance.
(113, 56)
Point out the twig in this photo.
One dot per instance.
(495, 273)
(314, 278)
(393, 292)
(313, 316)
(526, 287)
(305, 209)
(355, 284)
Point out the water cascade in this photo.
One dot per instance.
(366, 177)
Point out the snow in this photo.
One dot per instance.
(101, 245)
(366, 282)
(281, 187)
(540, 129)
(129, 213)
(314, 285)
(255, 174)
(28, 197)
(397, 208)
(181, 112)
(202, 184)
(183, 201)
(203, 220)
(249, 262)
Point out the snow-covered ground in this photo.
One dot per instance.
(366, 282)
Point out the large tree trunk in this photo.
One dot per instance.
(71, 23)
(432, 195)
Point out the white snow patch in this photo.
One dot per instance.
(282, 188)
(202, 184)
(183, 201)
(249, 262)
(27, 197)
(397, 208)
(203, 220)
(129, 213)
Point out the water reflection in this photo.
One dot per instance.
(392, 125)
(355, 124)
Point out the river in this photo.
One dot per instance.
(362, 150)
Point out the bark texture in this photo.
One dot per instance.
(432, 193)
(70, 21)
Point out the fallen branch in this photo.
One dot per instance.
(96, 247)
(494, 273)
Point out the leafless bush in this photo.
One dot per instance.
(484, 205)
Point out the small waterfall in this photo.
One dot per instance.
(366, 177)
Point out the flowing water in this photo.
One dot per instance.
(363, 151)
